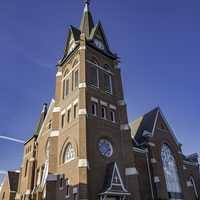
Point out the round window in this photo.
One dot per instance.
(105, 148)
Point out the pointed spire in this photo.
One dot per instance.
(87, 21)
(87, 4)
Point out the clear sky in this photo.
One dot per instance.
(158, 42)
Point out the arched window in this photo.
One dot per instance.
(69, 153)
(26, 168)
(65, 84)
(170, 170)
(3, 197)
(193, 185)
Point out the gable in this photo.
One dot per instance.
(73, 37)
(143, 124)
(148, 124)
(161, 124)
(47, 119)
(98, 33)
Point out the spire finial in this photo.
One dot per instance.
(87, 2)
(87, 23)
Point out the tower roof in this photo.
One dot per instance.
(87, 23)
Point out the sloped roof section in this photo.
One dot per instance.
(143, 123)
(13, 178)
(41, 119)
(87, 22)
(72, 33)
(146, 124)
(98, 29)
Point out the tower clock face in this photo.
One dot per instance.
(105, 148)
(99, 44)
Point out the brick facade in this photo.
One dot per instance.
(83, 146)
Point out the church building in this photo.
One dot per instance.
(84, 147)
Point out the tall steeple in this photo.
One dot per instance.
(87, 21)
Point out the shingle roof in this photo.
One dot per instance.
(143, 123)
(41, 119)
(13, 178)
(39, 123)
(76, 33)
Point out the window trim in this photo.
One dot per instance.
(63, 120)
(97, 73)
(75, 110)
(67, 188)
(76, 84)
(165, 147)
(103, 112)
(95, 108)
(26, 168)
(61, 182)
(72, 152)
(113, 112)
(110, 91)
(69, 115)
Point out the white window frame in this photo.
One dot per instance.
(103, 109)
(71, 153)
(76, 71)
(110, 83)
(63, 120)
(95, 109)
(113, 113)
(67, 188)
(97, 73)
(75, 110)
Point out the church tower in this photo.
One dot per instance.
(94, 142)
(82, 147)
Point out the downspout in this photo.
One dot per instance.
(149, 172)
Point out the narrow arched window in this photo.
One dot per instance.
(170, 170)
(3, 197)
(69, 153)
(193, 185)
(65, 84)
(26, 168)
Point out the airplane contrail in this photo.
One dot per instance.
(12, 139)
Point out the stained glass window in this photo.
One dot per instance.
(170, 170)
(69, 153)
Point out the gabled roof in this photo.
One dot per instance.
(13, 178)
(145, 125)
(39, 123)
(49, 111)
(191, 158)
(41, 119)
(99, 28)
(73, 32)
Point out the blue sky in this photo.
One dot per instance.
(158, 42)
